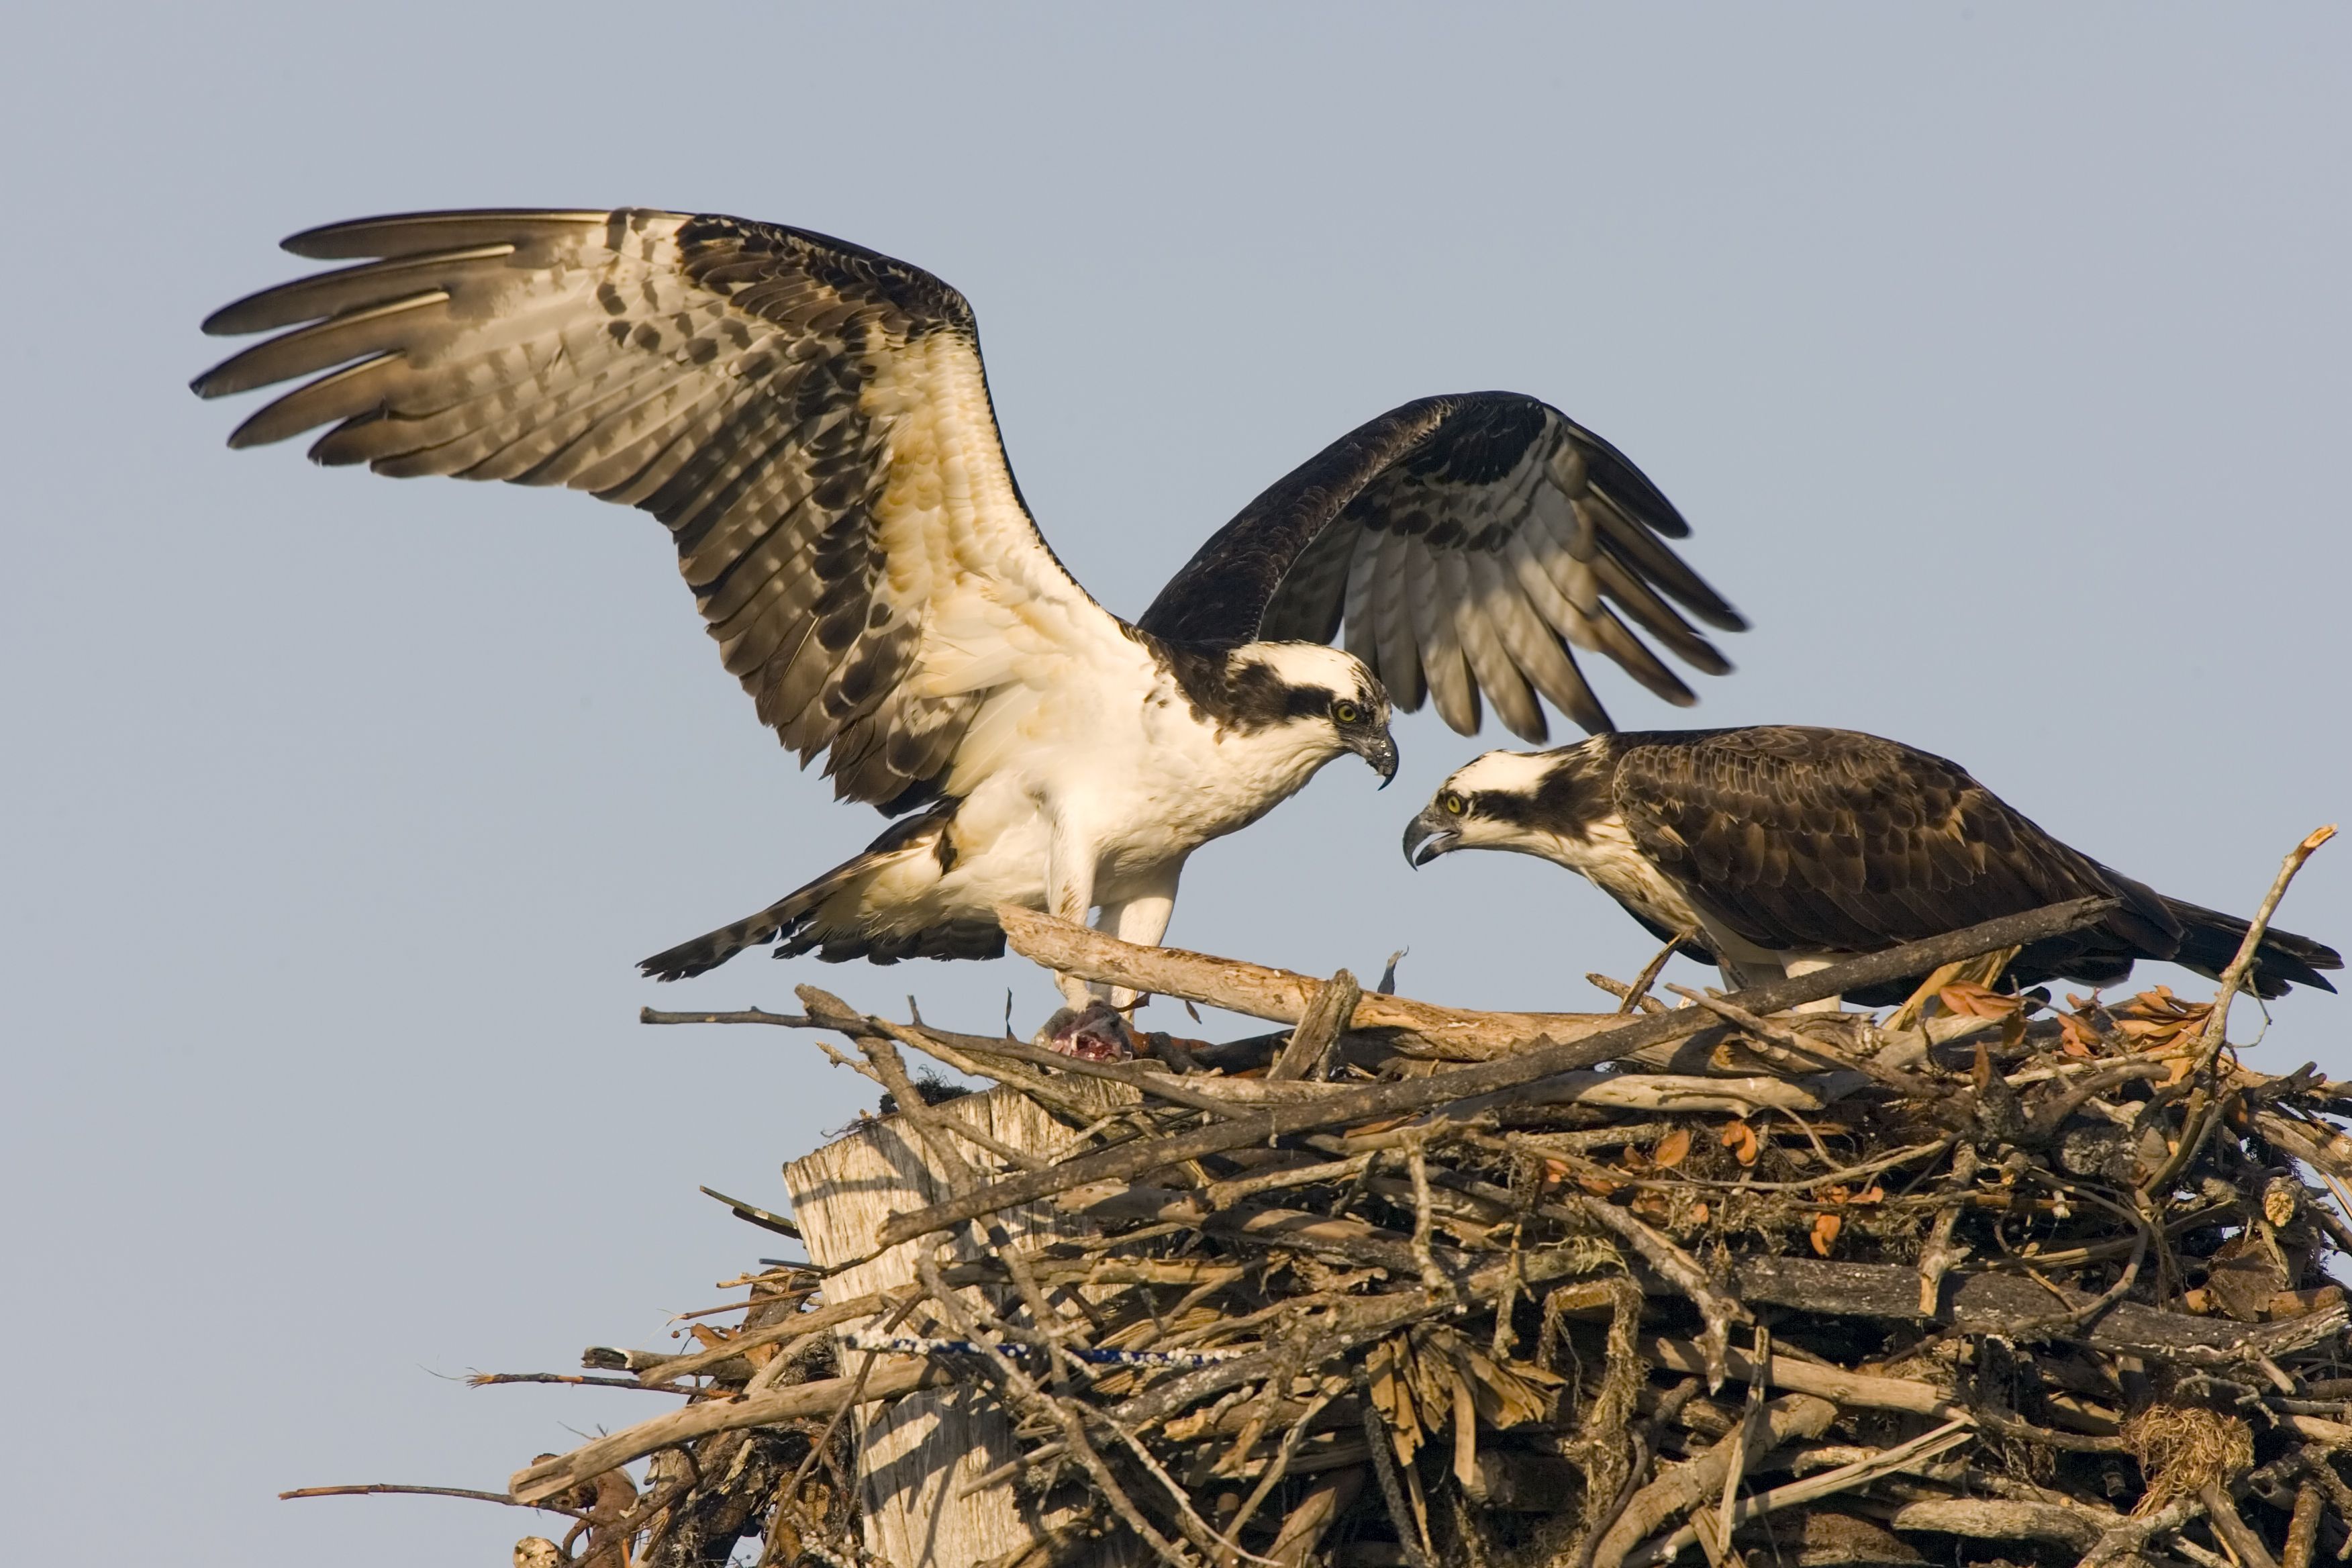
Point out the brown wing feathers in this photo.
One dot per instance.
(1829, 840)
(1461, 545)
(707, 369)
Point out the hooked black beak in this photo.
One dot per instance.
(1425, 840)
(1380, 749)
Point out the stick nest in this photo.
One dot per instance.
(1994, 1279)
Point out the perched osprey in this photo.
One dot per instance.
(1778, 850)
(812, 422)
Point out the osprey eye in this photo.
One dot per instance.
(1453, 804)
(1346, 712)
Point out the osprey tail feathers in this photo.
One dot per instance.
(2209, 939)
(857, 910)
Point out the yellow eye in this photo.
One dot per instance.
(1346, 712)
(1453, 804)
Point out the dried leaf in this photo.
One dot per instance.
(1825, 1232)
(1740, 1139)
(1971, 1000)
(2077, 1036)
(2156, 1018)
(1671, 1149)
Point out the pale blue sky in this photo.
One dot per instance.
(1998, 355)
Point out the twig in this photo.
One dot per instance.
(494, 1379)
(1327, 1018)
(2231, 1526)
(1936, 1260)
(1718, 1311)
(754, 1214)
(2303, 1529)
(1813, 1489)
(1384, 1466)
(1539, 1062)
(798, 1325)
(2234, 978)
(747, 1015)
(1850, 1388)
(1792, 1416)
(800, 1402)
(1637, 992)
(938, 1128)
(1788, 1039)
(2123, 1541)
(1743, 1439)
(1423, 1219)
(386, 1490)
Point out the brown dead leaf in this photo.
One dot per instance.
(1969, 999)
(1740, 1139)
(1671, 1149)
(1825, 1232)
(2156, 1018)
(2077, 1036)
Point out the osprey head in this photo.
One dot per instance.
(1323, 694)
(1525, 801)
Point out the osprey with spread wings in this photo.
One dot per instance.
(812, 423)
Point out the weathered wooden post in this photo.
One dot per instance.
(918, 1455)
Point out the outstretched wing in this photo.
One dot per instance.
(809, 418)
(1834, 841)
(1464, 543)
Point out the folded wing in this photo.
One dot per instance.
(809, 419)
(1833, 841)
(1464, 544)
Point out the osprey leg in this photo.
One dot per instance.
(1141, 920)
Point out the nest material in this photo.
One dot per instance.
(2021, 1283)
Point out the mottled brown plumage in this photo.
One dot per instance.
(719, 373)
(1810, 843)
(1463, 543)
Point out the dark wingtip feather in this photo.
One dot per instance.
(707, 951)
